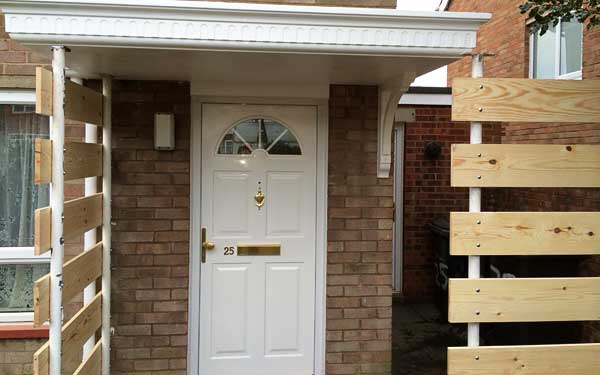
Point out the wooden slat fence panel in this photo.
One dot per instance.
(78, 273)
(521, 165)
(525, 100)
(523, 300)
(81, 103)
(525, 233)
(74, 334)
(81, 215)
(92, 365)
(43, 161)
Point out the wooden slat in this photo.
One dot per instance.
(525, 100)
(524, 233)
(43, 161)
(92, 365)
(42, 219)
(579, 359)
(43, 91)
(74, 334)
(81, 215)
(81, 103)
(523, 300)
(78, 273)
(82, 160)
(525, 165)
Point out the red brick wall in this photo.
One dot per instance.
(150, 239)
(359, 290)
(427, 192)
(503, 35)
(16, 355)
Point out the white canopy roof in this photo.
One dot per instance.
(215, 45)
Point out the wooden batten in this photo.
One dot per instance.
(43, 161)
(525, 233)
(81, 215)
(78, 273)
(43, 91)
(82, 160)
(92, 365)
(523, 300)
(42, 221)
(579, 359)
(74, 334)
(525, 100)
(81, 103)
(520, 165)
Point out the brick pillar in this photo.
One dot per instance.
(360, 219)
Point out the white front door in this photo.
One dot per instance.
(259, 209)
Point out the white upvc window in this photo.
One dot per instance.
(19, 197)
(558, 53)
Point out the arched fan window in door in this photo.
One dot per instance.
(259, 134)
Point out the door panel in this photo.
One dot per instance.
(230, 310)
(284, 216)
(258, 189)
(283, 323)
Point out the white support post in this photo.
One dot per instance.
(106, 222)
(475, 200)
(57, 202)
(90, 238)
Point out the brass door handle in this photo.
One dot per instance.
(205, 245)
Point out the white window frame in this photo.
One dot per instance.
(577, 75)
(19, 255)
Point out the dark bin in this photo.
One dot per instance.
(445, 266)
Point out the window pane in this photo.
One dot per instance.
(570, 47)
(544, 55)
(19, 196)
(259, 134)
(16, 285)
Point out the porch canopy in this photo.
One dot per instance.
(249, 49)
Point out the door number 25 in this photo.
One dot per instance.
(229, 250)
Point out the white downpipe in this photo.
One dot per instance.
(106, 222)
(475, 201)
(90, 238)
(57, 203)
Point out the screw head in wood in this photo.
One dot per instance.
(480, 87)
(479, 155)
(478, 222)
(477, 290)
(480, 109)
(477, 358)
(478, 245)
(569, 148)
(479, 177)
(477, 312)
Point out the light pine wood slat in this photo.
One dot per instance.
(43, 161)
(523, 300)
(525, 100)
(81, 103)
(81, 215)
(493, 165)
(82, 160)
(578, 359)
(78, 273)
(524, 233)
(43, 91)
(42, 221)
(92, 365)
(74, 334)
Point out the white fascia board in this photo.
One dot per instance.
(232, 26)
(426, 99)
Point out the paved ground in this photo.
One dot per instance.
(420, 340)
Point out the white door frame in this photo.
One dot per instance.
(193, 360)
